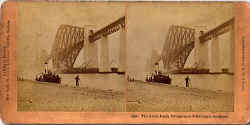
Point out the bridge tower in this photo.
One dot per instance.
(209, 48)
(90, 53)
(103, 34)
(104, 57)
(123, 50)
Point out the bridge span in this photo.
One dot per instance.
(182, 40)
(70, 40)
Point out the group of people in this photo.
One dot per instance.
(48, 76)
(130, 78)
(158, 77)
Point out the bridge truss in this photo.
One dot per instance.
(109, 29)
(217, 31)
(68, 43)
(70, 40)
(178, 45)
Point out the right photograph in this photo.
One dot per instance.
(180, 57)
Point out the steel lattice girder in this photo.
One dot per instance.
(178, 45)
(68, 43)
(221, 29)
(111, 28)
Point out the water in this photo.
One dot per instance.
(112, 81)
(215, 82)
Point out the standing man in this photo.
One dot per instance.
(77, 80)
(187, 79)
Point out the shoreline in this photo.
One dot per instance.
(36, 96)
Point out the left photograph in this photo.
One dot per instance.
(71, 57)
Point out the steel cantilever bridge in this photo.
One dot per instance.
(182, 40)
(68, 43)
(70, 40)
(179, 43)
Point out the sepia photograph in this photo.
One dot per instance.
(180, 57)
(70, 57)
(126, 62)
(118, 57)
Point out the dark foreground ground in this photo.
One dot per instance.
(35, 96)
(153, 97)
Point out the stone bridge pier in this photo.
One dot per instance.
(208, 48)
(104, 57)
(214, 57)
(103, 36)
(104, 48)
(123, 50)
(90, 54)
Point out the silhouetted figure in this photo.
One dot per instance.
(187, 79)
(77, 80)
